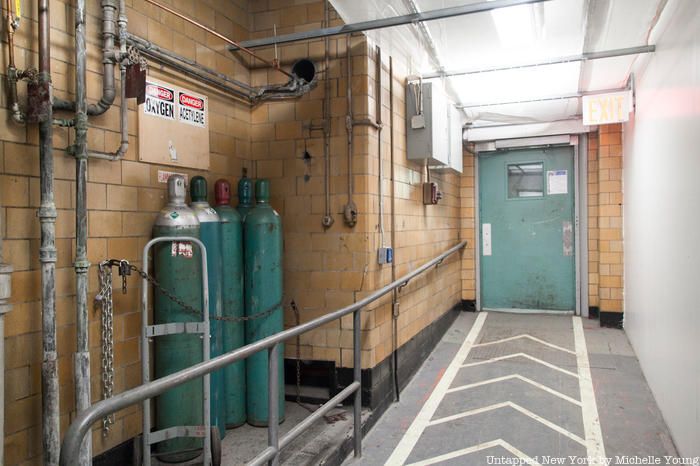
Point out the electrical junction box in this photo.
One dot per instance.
(431, 193)
(385, 255)
(427, 128)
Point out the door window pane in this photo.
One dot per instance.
(525, 180)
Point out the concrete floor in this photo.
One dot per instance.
(523, 389)
(320, 442)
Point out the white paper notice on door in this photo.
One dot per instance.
(557, 182)
(486, 239)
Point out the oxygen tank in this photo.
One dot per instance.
(210, 233)
(245, 197)
(263, 292)
(177, 268)
(232, 299)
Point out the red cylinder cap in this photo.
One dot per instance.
(222, 192)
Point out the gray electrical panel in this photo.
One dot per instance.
(427, 125)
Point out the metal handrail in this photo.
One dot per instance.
(80, 426)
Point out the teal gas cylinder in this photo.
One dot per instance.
(263, 292)
(245, 197)
(177, 268)
(210, 234)
(232, 299)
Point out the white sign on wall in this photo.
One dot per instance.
(605, 109)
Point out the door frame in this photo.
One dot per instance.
(579, 144)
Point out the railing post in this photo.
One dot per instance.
(273, 402)
(357, 372)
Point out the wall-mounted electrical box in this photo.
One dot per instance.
(431, 193)
(385, 255)
(427, 135)
(434, 126)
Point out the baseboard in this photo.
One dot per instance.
(377, 382)
(593, 312)
(612, 319)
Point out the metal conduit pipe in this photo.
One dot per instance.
(47, 255)
(378, 116)
(327, 220)
(198, 71)
(81, 358)
(109, 58)
(5, 269)
(350, 209)
(395, 294)
(295, 87)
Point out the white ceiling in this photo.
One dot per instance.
(514, 36)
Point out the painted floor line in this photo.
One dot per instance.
(521, 355)
(591, 422)
(530, 337)
(476, 448)
(517, 407)
(412, 435)
(516, 377)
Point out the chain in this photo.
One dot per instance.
(104, 300)
(194, 311)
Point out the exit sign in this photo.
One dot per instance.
(605, 109)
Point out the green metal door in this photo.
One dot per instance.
(526, 208)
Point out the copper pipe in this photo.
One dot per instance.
(10, 34)
(221, 36)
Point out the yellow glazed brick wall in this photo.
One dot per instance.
(123, 198)
(610, 245)
(328, 269)
(468, 226)
(593, 234)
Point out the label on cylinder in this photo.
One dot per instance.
(183, 249)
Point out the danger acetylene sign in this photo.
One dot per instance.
(191, 109)
(191, 101)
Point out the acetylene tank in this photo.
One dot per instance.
(263, 294)
(245, 197)
(177, 267)
(232, 301)
(210, 233)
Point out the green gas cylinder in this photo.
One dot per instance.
(232, 294)
(210, 234)
(263, 292)
(245, 197)
(177, 268)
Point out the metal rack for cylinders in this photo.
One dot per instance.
(176, 247)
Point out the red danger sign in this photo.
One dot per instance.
(160, 92)
(191, 101)
(191, 109)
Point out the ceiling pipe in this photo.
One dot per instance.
(239, 90)
(382, 23)
(554, 61)
(545, 99)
